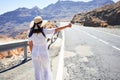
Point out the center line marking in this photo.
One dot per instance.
(116, 48)
(103, 41)
(107, 43)
(107, 33)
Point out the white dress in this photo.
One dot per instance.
(40, 55)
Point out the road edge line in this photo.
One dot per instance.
(61, 60)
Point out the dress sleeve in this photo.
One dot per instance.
(49, 31)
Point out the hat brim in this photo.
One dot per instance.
(42, 24)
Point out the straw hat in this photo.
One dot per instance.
(37, 19)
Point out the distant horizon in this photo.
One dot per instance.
(5, 6)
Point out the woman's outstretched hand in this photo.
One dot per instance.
(61, 28)
(69, 25)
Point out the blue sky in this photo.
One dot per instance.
(9, 5)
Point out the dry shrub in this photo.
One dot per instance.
(11, 53)
(104, 24)
(49, 24)
(3, 55)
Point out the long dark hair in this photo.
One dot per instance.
(39, 30)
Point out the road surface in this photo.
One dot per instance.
(91, 54)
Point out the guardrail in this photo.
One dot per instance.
(14, 45)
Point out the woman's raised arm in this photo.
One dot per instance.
(61, 28)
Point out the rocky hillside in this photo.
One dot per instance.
(107, 15)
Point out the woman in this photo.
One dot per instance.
(38, 47)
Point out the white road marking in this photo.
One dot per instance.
(116, 48)
(107, 43)
(108, 33)
(96, 38)
(103, 41)
(59, 75)
(91, 35)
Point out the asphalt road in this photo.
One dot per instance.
(91, 54)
